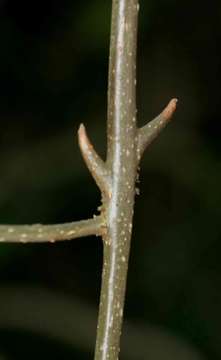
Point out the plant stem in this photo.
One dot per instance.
(116, 179)
(126, 145)
(51, 233)
(122, 163)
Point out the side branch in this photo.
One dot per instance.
(95, 164)
(50, 233)
(149, 132)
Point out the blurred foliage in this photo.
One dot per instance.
(24, 343)
(53, 76)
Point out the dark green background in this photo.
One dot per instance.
(53, 76)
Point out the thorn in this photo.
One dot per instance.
(95, 164)
(149, 132)
(84, 142)
(170, 109)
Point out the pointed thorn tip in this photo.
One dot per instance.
(81, 128)
(170, 109)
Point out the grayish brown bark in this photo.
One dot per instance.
(122, 163)
(126, 144)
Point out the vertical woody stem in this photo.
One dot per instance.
(122, 164)
(116, 179)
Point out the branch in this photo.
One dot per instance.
(149, 132)
(50, 233)
(95, 164)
